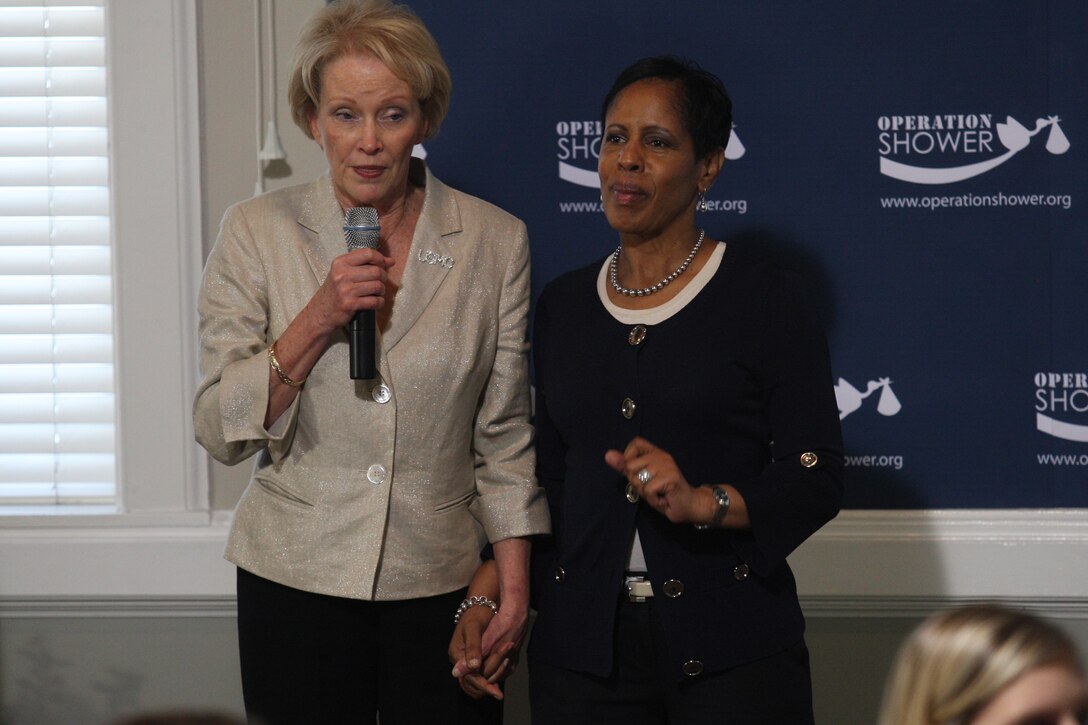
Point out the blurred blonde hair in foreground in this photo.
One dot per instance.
(958, 660)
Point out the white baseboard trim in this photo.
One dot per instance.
(947, 555)
(118, 607)
(225, 607)
(119, 563)
(865, 563)
(918, 607)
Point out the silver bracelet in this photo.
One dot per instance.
(472, 602)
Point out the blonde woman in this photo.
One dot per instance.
(986, 665)
(370, 501)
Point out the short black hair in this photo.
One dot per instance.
(703, 103)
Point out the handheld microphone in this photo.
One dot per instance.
(361, 230)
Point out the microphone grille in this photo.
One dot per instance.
(361, 227)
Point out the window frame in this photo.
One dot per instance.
(161, 539)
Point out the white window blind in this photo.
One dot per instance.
(57, 427)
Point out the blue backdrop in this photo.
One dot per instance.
(922, 163)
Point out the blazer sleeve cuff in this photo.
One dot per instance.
(243, 400)
(513, 512)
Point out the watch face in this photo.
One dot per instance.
(722, 497)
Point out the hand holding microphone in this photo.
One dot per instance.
(362, 231)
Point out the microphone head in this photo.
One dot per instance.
(361, 227)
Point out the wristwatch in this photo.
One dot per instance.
(722, 497)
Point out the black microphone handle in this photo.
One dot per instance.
(361, 339)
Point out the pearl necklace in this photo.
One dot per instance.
(660, 285)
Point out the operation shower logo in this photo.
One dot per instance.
(849, 398)
(946, 148)
(579, 146)
(1061, 405)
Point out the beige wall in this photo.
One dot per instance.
(230, 137)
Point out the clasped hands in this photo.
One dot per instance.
(484, 648)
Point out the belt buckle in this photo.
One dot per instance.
(638, 589)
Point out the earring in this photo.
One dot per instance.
(702, 205)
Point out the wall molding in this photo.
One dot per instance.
(842, 607)
(154, 110)
(862, 564)
(1019, 555)
(225, 606)
(115, 563)
(118, 607)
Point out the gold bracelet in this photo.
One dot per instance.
(279, 371)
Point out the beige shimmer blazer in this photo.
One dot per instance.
(384, 489)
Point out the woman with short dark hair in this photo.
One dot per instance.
(688, 439)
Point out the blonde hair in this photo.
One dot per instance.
(392, 33)
(956, 661)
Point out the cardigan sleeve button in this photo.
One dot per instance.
(693, 668)
(673, 588)
(628, 408)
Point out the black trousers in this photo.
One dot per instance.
(312, 658)
(643, 688)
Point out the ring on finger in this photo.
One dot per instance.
(644, 476)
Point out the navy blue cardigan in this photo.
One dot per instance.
(736, 386)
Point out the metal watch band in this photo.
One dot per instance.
(722, 497)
